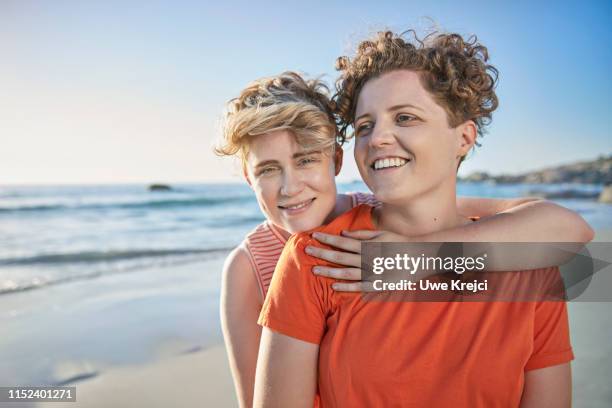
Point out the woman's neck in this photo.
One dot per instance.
(431, 212)
(343, 204)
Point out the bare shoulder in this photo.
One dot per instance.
(239, 276)
(237, 260)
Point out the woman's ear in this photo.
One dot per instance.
(338, 155)
(467, 137)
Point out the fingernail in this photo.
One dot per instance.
(316, 270)
(316, 235)
(308, 250)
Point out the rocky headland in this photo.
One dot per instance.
(598, 171)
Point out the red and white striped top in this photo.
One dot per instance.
(265, 243)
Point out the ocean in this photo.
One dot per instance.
(52, 235)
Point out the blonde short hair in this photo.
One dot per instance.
(283, 102)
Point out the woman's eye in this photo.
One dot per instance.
(307, 160)
(402, 118)
(362, 128)
(267, 170)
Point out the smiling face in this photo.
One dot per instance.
(404, 146)
(295, 187)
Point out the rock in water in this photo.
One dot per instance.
(606, 195)
(159, 187)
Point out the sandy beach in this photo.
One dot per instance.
(193, 372)
(148, 338)
(199, 379)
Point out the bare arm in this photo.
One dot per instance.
(486, 207)
(286, 372)
(240, 305)
(520, 220)
(549, 387)
(531, 221)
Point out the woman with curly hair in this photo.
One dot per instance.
(417, 108)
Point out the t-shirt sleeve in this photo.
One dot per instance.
(551, 339)
(297, 303)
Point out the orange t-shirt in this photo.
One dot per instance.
(415, 354)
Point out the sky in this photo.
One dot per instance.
(133, 92)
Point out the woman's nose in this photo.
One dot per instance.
(293, 183)
(381, 135)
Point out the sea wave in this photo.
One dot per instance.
(104, 256)
(98, 264)
(148, 204)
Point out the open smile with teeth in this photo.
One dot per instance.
(297, 206)
(389, 162)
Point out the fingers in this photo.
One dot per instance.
(337, 257)
(338, 273)
(363, 286)
(361, 234)
(348, 244)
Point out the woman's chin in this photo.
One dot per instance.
(302, 225)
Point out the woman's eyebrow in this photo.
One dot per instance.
(404, 105)
(295, 156)
(393, 108)
(361, 116)
(265, 163)
(305, 153)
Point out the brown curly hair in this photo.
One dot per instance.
(454, 70)
(286, 101)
